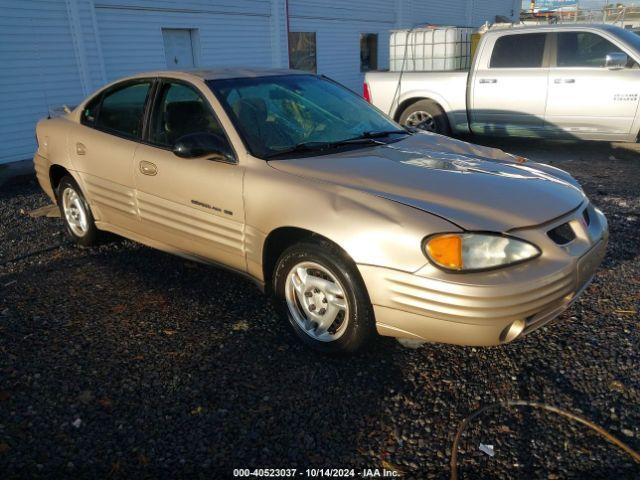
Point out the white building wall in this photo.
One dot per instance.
(338, 26)
(39, 69)
(54, 52)
(441, 13)
(224, 35)
(279, 40)
(92, 43)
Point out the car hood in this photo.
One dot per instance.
(477, 188)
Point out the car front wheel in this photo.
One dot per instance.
(322, 294)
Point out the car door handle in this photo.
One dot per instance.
(488, 80)
(564, 80)
(81, 149)
(148, 168)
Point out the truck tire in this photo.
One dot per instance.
(426, 115)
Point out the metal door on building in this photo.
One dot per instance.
(178, 47)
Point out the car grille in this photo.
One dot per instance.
(562, 234)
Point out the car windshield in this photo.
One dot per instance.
(300, 114)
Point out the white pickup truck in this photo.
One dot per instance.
(580, 81)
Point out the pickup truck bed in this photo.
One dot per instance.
(447, 89)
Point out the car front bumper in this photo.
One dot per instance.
(494, 307)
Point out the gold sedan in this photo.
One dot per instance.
(357, 225)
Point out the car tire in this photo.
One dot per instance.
(76, 213)
(335, 285)
(426, 115)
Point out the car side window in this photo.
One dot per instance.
(90, 111)
(122, 110)
(583, 49)
(180, 110)
(525, 50)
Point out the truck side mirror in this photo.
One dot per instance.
(616, 60)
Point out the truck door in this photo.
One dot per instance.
(508, 89)
(586, 97)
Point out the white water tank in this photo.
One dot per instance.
(430, 49)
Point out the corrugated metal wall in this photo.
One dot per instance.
(56, 52)
(38, 69)
(226, 34)
(338, 26)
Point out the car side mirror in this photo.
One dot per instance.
(616, 60)
(210, 145)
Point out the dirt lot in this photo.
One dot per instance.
(121, 360)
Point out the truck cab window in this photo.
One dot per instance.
(519, 51)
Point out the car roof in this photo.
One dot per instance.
(220, 73)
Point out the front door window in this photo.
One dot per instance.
(181, 111)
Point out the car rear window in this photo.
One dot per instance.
(122, 109)
(519, 51)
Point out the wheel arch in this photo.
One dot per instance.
(281, 238)
(56, 173)
(402, 106)
(410, 99)
(367, 227)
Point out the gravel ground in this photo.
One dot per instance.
(123, 361)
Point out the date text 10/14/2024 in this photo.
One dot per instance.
(316, 472)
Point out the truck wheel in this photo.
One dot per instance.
(426, 115)
(76, 213)
(324, 298)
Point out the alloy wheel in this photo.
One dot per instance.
(74, 212)
(317, 301)
(422, 120)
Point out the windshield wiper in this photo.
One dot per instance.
(300, 148)
(365, 138)
(384, 133)
(307, 147)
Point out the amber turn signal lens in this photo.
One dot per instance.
(446, 251)
(470, 251)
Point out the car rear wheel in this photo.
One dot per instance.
(76, 213)
(426, 115)
(324, 298)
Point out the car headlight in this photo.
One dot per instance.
(477, 251)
